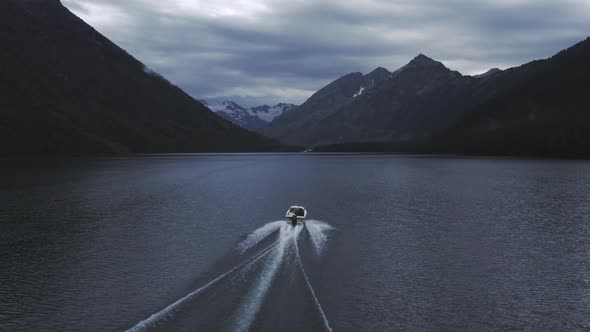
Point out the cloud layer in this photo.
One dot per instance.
(266, 51)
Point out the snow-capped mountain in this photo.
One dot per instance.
(254, 118)
(269, 113)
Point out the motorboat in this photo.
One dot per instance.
(296, 214)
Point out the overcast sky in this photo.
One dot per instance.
(268, 51)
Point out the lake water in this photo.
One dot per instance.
(392, 243)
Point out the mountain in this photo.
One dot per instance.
(269, 113)
(295, 127)
(419, 99)
(254, 118)
(538, 109)
(488, 73)
(68, 89)
(237, 114)
(544, 111)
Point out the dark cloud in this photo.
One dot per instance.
(266, 51)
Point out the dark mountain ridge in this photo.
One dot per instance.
(65, 88)
(295, 126)
(421, 98)
(545, 111)
(538, 109)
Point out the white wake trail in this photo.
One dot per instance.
(259, 234)
(248, 311)
(315, 298)
(274, 256)
(165, 313)
(317, 231)
(244, 270)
